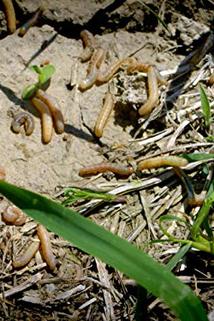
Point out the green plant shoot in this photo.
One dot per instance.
(205, 107)
(44, 75)
(72, 194)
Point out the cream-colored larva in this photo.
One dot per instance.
(10, 15)
(88, 44)
(104, 168)
(56, 113)
(104, 114)
(104, 77)
(25, 257)
(93, 67)
(162, 161)
(153, 93)
(25, 119)
(13, 215)
(46, 248)
(137, 67)
(46, 119)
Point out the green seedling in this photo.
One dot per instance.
(200, 233)
(73, 194)
(205, 105)
(210, 138)
(44, 75)
(198, 242)
(193, 157)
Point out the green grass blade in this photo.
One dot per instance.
(156, 15)
(210, 138)
(193, 157)
(202, 215)
(111, 249)
(72, 194)
(178, 256)
(205, 106)
(44, 75)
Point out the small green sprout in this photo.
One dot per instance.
(44, 75)
(205, 107)
(73, 194)
(200, 232)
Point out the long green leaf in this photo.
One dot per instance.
(205, 106)
(72, 194)
(193, 157)
(202, 215)
(111, 249)
(178, 256)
